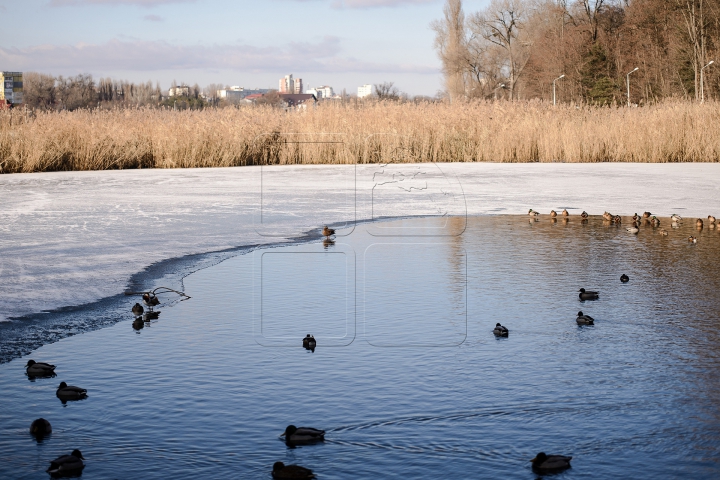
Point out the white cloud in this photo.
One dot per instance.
(153, 18)
(137, 55)
(142, 3)
(377, 3)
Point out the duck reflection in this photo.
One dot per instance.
(328, 243)
(138, 324)
(151, 316)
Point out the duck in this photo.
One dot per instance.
(607, 216)
(553, 213)
(40, 427)
(636, 217)
(137, 310)
(699, 223)
(617, 219)
(676, 218)
(533, 213)
(584, 319)
(624, 278)
(309, 342)
(67, 464)
(711, 219)
(565, 213)
(633, 229)
(655, 221)
(303, 435)
(500, 331)
(584, 215)
(585, 295)
(328, 231)
(692, 239)
(646, 214)
(291, 472)
(543, 463)
(150, 300)
(663, 232)
(39, 369)
(69, 392)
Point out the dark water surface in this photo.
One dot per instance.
(407, 379)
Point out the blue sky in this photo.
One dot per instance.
(342, 43)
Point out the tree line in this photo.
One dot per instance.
(515, 49)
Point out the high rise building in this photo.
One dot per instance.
(286, 84)
(297, 86)
(365, 91)
(11, 87)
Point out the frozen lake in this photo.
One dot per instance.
(407, 379)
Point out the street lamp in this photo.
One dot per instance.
(702, 81)
(561, 76)
(628, 83)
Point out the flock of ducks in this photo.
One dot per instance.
(634, 227)
(72, 464)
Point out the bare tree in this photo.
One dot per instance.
(451, 47)
(503, 24)
(39, 90)
(387, 91)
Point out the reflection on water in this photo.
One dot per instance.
(201, 394)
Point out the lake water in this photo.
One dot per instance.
(407, 378)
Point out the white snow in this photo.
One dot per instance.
(69, 238)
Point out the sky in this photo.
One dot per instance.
(341, 43)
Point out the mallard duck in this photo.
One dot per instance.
(699, 222)
(305, 435)
(584, 214)
(624, 278)
(543, 463)
(533, 213)
(633, 229)
(40, 427)
(617, 219)
(636, 218)
(309, 342)
(67, 464)
(676, 218)
(663, 232)
(137, 309)
(607, 216)
(500, 331)
(553, 213)
(150, 300)
(291, 472)
(655, 221)
(565, 213)
(584, 319)
(692, 239)
(711, 219)
(585, 295)
(647, 214)
(68, 392)
(328, 231)
(39, 369)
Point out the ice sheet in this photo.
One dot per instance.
(70, 238)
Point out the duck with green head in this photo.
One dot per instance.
(584, 215)
(583, 319)
(39, 369)
(587, 295)
(543, 463)
(500, 331)
(69, 392)
(67, 465)
(533, 213)
(40, 427)
(291, 472)
(303, 435)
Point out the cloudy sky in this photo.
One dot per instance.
(342, 43)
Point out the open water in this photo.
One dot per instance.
(407, 378)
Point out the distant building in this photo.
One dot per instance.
(290, 85)
(298, 100)
(321, 92)
(181, 91)
(11, 88)
(232, 94)
(365, 91)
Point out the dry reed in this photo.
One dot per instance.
(357, 133)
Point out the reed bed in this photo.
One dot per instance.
(357, 133)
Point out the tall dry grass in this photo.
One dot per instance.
(362, 133)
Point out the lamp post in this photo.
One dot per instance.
(628, 83)
(702, 81)
(561, 76)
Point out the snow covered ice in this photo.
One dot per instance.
(71, 238)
